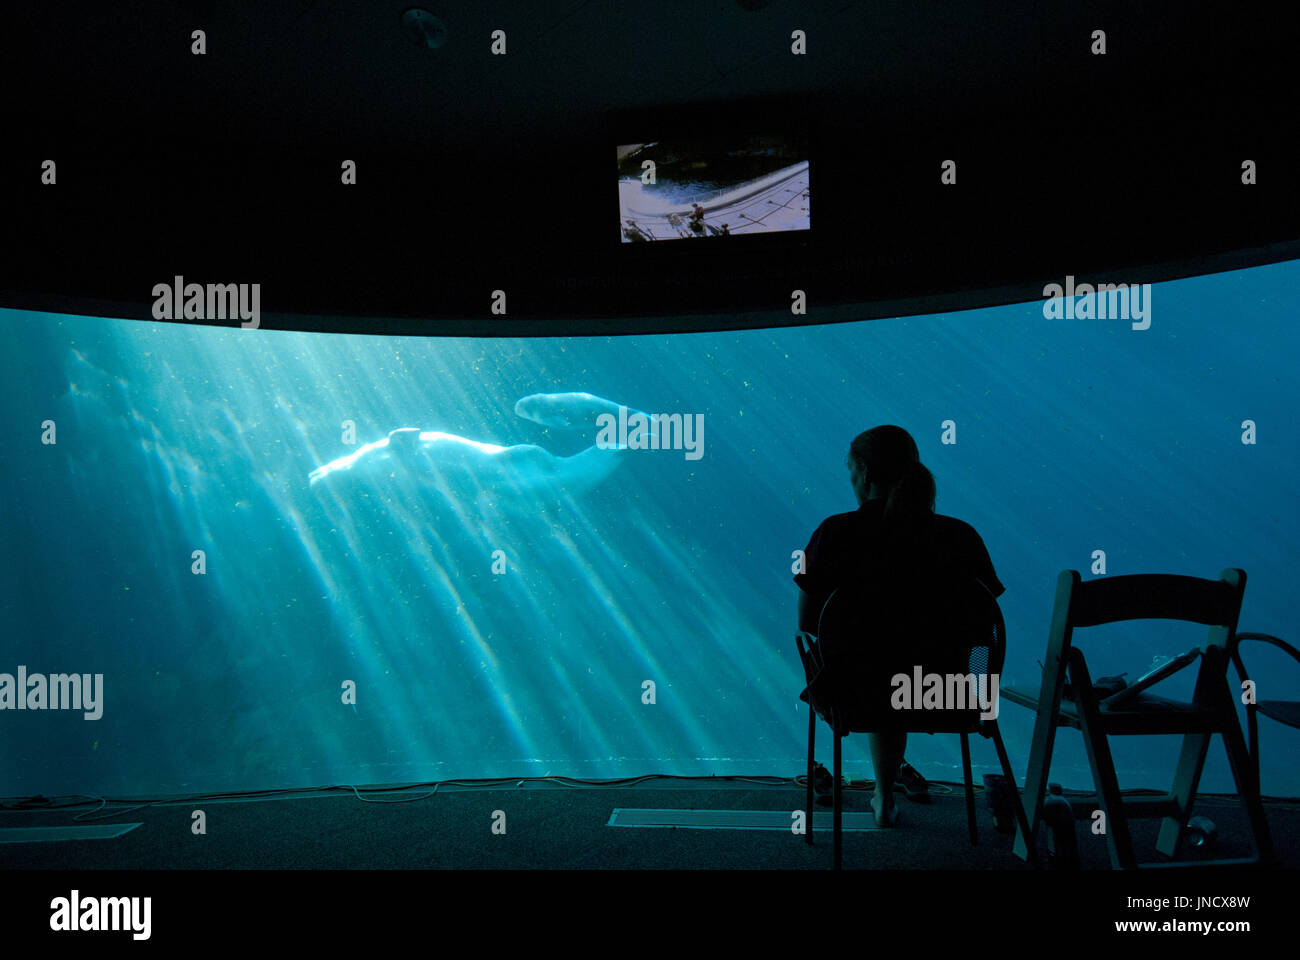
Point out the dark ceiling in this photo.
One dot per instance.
(479, 171)
(347, 70)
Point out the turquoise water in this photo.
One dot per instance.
(1072, 436)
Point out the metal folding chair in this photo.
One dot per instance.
(848, 664)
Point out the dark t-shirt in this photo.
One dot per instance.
(853, 546)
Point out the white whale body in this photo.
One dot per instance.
(565, 410)
(459, 466)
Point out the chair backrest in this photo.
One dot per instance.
(871, 633)
(1155, 596)
(989, 655)
(1148, 596)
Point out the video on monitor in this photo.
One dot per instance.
(700, 189)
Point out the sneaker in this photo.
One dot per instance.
(913, 785)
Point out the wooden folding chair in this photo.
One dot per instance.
(1216, 603)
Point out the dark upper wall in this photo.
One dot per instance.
(481, 172)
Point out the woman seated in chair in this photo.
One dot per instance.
(894, 529)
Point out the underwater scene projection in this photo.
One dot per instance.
(288, 559)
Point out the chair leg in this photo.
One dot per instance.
(1021, 822)
(1252, 723)
(1191, 761)
(970, 790)
(1118, 838)
(1040, 764)
(808, 799)
(1240, 759)
(838, 808)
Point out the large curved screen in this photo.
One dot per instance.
(277, 559)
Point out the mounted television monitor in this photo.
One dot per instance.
(711, 188)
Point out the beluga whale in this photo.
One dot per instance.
(569, 411)
(457, 466)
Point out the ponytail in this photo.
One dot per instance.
(910, 503)
(890, 458)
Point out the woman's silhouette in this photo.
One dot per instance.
(894, 528)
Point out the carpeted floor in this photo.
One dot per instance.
(551, 826)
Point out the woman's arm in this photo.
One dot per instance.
(808, 614)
